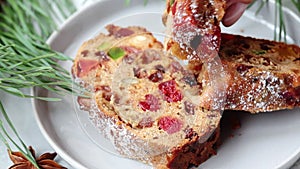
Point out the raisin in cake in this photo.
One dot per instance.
(145, 100)
(264, 75)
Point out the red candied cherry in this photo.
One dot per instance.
(168, 89)
(170, 124)
(151, 103)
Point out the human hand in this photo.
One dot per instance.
(234, 10)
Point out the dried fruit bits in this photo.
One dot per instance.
(170, 91)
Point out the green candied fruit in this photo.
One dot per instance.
(104, 46)
(116, 52)
(171, 2)
(259, 52)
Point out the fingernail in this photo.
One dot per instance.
(233, 13)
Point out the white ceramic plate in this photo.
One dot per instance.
(268, 140)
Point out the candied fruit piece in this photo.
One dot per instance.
(123, 32)
(145, 122)
(149, 56)
(168, 89)
(243, 68)
(289, 98)
(160, 68)
(139, 73)
(190, 133)
(176, 67)
(156, 77)
(84, 53)
(129, 59)
(107, 96)
(170, 124)
(119, 32)
(130, 49)
(102, 56)
(85, 66)
(85, 103)
(116, 52)
(190, 79)
(297, 91)
(102, 87)
(104, 46)
(151, 103)
(144, 105)
(189, 108)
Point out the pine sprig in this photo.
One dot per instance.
(279, 22)
(297, 4)
(25, 59)
(281, 25)
(5, 137)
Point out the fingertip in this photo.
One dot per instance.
(233, 13)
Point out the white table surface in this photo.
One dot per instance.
(21, 113)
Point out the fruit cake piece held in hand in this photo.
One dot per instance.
(146, 102)
(195, 23)
(193, 26)
(264, 75)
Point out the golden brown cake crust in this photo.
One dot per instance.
(264, 75)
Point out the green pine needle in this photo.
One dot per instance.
(127, 2)
(25, 59)
(297, 4)
(5, 137)
(279, 22)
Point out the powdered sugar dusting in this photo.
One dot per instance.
(193, 18)
(263, 90)
(124, 141)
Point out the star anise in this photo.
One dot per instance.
(45, 161)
